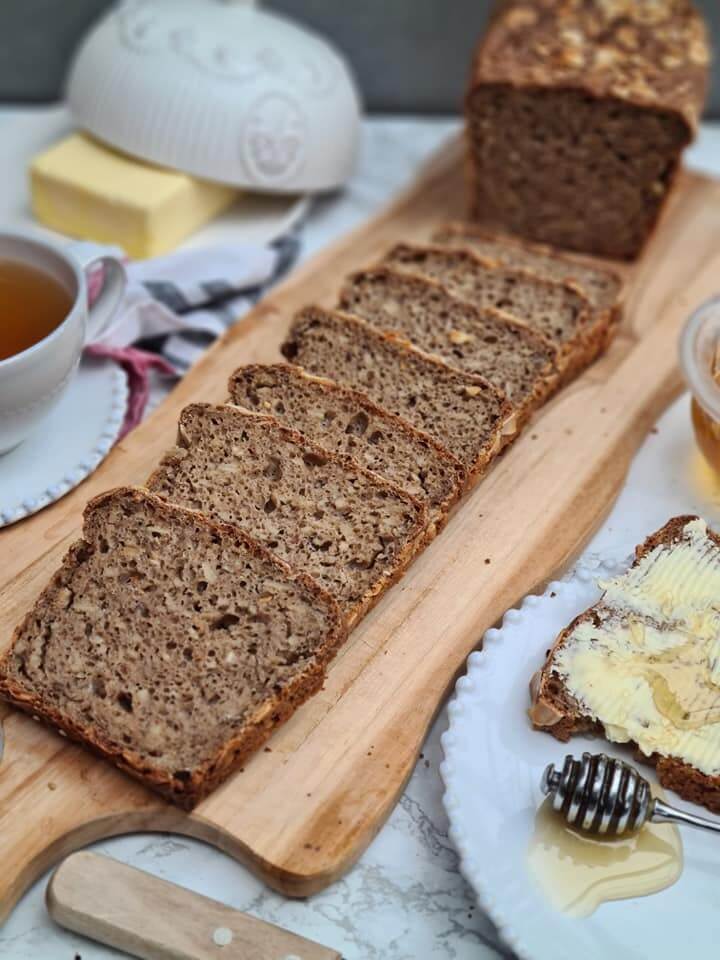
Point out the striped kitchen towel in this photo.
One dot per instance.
(175, 306)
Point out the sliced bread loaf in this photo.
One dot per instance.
(559, 311)
(346, 422)
(170, 645)
(517, 359)
(353, 532)
(601, 286)
(641, 665)
(461, 411)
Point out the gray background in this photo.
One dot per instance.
(409, 55)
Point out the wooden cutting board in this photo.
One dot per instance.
(303, 810)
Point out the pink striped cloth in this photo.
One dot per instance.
(175, 306)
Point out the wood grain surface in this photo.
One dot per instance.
(153, 919)
(300, 814)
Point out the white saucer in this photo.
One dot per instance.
(492, 769)
(68, 445)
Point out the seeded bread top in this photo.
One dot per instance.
(647, 52)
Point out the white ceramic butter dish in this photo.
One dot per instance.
(222, 90)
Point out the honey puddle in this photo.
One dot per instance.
(577, 872)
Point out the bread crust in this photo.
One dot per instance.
(231, 756)
(423, 531)
(554, 710)
(548, 379)
(287, 371)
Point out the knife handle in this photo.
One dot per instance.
(153, 919)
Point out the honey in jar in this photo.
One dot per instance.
(707, 433)
(707, 428)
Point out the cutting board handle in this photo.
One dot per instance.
(153, 919)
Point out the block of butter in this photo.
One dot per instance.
(84, 189)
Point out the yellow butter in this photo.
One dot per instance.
(87, 190)
(648, 669)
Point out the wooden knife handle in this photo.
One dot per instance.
(153, 919)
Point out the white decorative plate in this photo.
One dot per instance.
(492, 769)
(68, 445)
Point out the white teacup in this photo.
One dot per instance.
(32, 381)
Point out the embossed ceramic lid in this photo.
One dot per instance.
(222, 90)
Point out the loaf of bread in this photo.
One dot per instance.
(353, 532)
(170, 645)
(577, 114)
(558, 311)
(519, 361)
(346, 422)
(641, 665)
(461, 411)
(601, 286)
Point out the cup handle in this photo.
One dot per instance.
(103, 310)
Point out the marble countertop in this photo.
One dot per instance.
(404, 899)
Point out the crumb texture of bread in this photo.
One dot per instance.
(348, 424)
(640, 666)
(577, 115)
(351, 531)
(463, 412)
(601, 286)
(516, 359)
(557, 311)
(170, 645)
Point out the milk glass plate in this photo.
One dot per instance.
(492, 769)
(68, 445)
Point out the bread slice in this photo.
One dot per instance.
(347, 423)
(461, 411)
(641, 665)
(559, 311)
(517, 360)
(602, 286)
(170, 645)
(353, 532)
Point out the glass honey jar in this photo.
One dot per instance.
(700, 361)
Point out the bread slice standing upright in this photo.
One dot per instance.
(463, 412)
(170, 645)
(558, 311)
(347, 423)
(351, 531)
(519, 361)
(602, 286)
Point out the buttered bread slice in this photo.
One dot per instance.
(642, 666)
